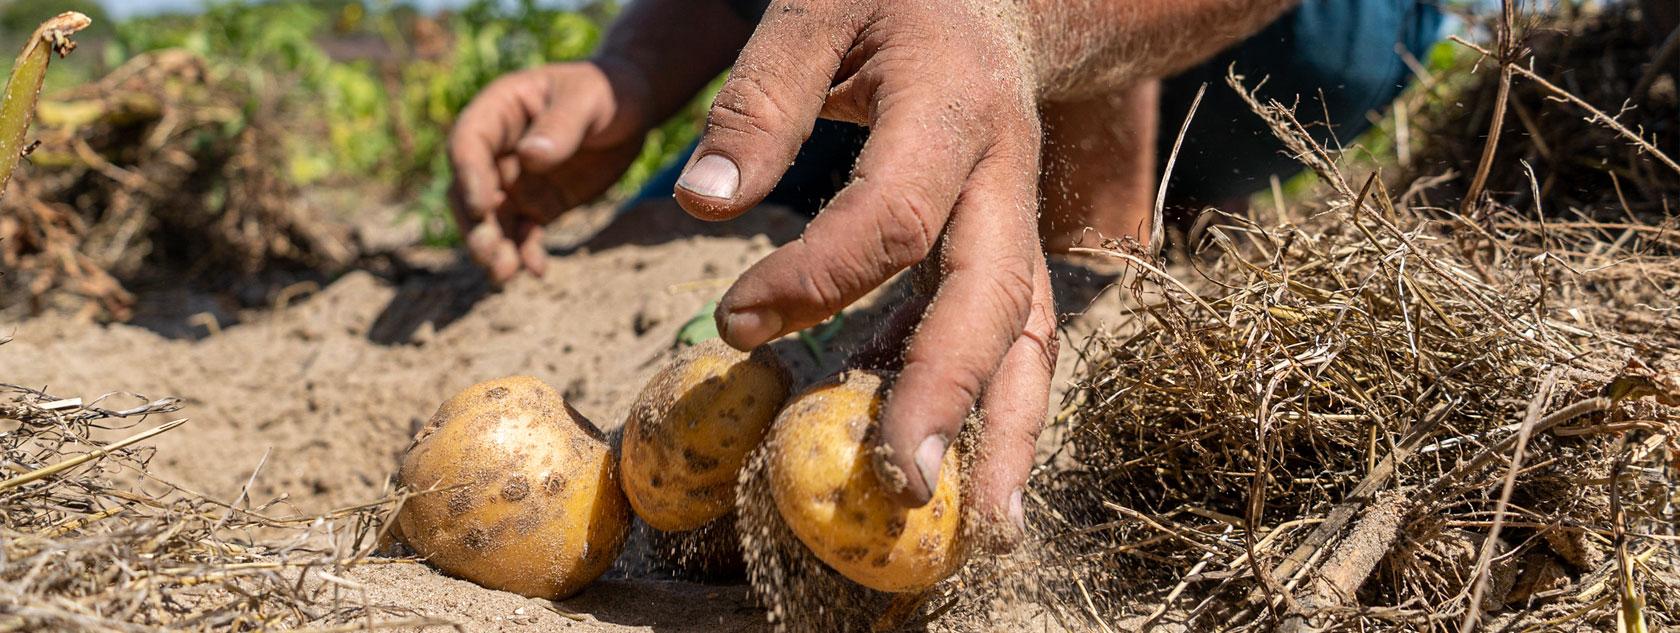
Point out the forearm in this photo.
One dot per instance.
(1080, 48)
(670, 50)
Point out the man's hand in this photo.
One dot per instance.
(538, 142)
(948, 175)
(533, 145)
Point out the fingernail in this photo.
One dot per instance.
(1017, 513)
(929, 456)
(537, 146)
(751, 326)
(713, 176)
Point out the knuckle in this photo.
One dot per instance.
(962, 376)
(968, 381)
(1040, 332)
(904, 228)
(1010, 285)
(822, 287)
(501, 87)
(497, 95)
(458, 143)
(747, 105)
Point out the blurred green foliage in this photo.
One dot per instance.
(18, 19)
(369, 104)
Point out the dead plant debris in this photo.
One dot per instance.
(1385, 415)
(165, 166)
(89, 540)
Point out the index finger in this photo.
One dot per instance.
(488, 129)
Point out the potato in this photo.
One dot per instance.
(825, 487)
(692, 428)
(538, 510)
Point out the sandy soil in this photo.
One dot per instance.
(325, 390)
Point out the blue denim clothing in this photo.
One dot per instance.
(1345, 50)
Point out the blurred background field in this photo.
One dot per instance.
(366, 91)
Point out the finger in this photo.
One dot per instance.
(483, 233)
(503, 261)
(504, 264)
(482, 241)
(887, 219)
(1016, 402)
(465, 224)
(480, 234)
(765, 110)
(532, 255)
(486, 131)
(979, 311)
(556, 131)
(492, 249)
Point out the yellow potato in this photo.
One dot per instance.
(692, 428)
(826, 489)
(535, 508)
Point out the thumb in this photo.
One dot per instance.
(764, 112)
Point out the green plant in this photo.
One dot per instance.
(17, 107)
(387, 122)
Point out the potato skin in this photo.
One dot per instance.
(825, 487)
(692, 428)
(540, 512)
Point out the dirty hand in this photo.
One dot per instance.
(533, 145)
(948, 175)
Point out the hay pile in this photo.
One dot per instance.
(165, 167)
(90, 541)
(1620, 62)
(1377, 414)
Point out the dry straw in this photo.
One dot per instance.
(91, 541)
(1386, 415)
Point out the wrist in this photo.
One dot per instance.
(627, 106)
(661, 53)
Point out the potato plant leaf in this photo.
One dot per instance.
(699, 328)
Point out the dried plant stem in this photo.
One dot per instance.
(1485, 559)
(1347, 568)
(1596, 114)
(1157, 230)
(43, 473)
(1363, 493)
(1473, 197)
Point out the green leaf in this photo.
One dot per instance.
(699, 328)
